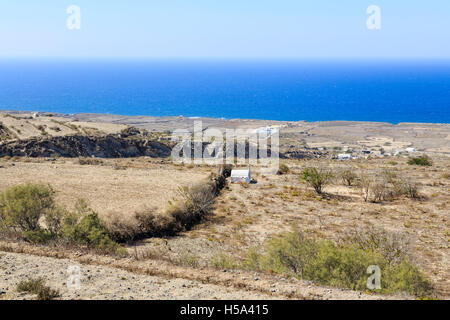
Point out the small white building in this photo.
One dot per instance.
(410, 150)
(240, 176)
(344, 156)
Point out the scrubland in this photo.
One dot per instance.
(281, 237)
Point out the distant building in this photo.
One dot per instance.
(344, 156)
(410, 150)
(240, 176)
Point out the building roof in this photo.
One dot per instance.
(240, 173)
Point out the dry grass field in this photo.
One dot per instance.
(120, 185)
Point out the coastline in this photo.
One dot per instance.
(379, 137)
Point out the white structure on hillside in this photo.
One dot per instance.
(410, 150)
(240, 176)
(344, 156)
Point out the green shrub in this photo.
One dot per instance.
(38, 287)
(423, 160)
(394, 246)
(90, 231)
(317, 178)
(344, 265)
(22, 206)
(40, 236)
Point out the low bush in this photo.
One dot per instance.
(423, 160)
(22, 206)
(223, 261)
(348, 177)
(91, 232)
(394, 246)
(38, 287)
(386, 185)
(40, 236)
(317, 178)
(283, 169)
(344, 265)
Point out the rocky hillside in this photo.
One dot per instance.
(108, 146)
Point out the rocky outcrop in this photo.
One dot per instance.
(109, 146)
(5, 133)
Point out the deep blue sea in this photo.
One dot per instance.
(388, 91)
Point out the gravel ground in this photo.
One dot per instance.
(105, 283)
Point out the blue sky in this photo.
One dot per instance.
(226, 29)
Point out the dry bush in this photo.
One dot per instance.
(145, 222)
(38, 287)
(283, 169)
(394, 246)
(193, 204)
(90, 161)
(386, 185)
(348, 177)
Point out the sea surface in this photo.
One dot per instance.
(312, 90)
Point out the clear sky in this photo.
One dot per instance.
(226, 29)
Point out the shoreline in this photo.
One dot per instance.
(97, 115)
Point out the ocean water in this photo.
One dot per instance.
(387, 91)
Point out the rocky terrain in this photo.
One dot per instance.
(109, 146)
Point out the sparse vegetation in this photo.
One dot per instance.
(193, 204)
(348, 177)
(386, 185)
(283, 169)
(21, 209)
(224, 261)
(317, 178)
(90, 161)
(422, 160)
(38, 287)
(344, 265)
(22, 206)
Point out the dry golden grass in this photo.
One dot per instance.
(140, 183)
